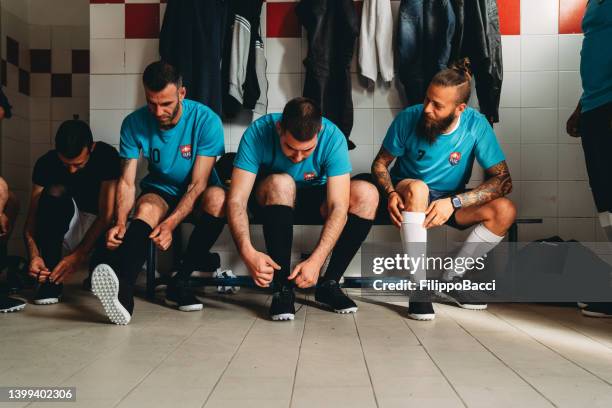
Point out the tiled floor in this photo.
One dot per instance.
(231, 355)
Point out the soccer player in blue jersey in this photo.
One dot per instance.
(295, 165)
(434, 146)
(180, 139)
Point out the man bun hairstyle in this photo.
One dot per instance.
(157, 75)
(302, 118)
(71, 137)
(457, 75)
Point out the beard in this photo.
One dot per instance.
(430, 129)
(166, 122)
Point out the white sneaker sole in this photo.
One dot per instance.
(105, 285)
(46, 301)
(581, 305)
(339, 311)
(422, 317)
(461, 305)
(595, 314)
(283, 317)
(187, 308)
(13, 309)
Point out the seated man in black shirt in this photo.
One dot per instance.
(71, 207)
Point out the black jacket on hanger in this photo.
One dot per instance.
(332, 29)
(191, 39)
(477, 36)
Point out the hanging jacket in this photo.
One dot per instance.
(477, 36)
(425, 31)
(242, 59)
(191, 39)
(376, 40)
(331, 27)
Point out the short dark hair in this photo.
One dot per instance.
(71, 137)
(302, 117)
(157, 75)
(459, 75)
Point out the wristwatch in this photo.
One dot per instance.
(456, 201)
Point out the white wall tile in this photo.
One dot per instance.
(571, 162)
(539, 17)
(575, 199)
(283, 56)
(539, 199)
(61, 37)
(570, 89)
(508, 130)
(362, 92)
(37, 150)
(107, 20)
(282, 88)
(134, 92)
(40, 132)
(511, 52)
(388, 95)
(530, 232)
(511, 90)
(238, 126)
(40, 108)
(382, 121)
(79, 37)
(61, 61)
(80, 85)
(538, 125)
(512, 152)
(539, 162)
(569, 52)
(40, 85)
(363, 126)
(139, 53)
(40, 37)
(106, 125)
(107, 91)
(564, 115)
(539, 52)
(108, 56)
(15, 152)
(361, 159)
(539, 89)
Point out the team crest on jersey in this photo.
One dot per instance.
(186, 151)
(310, 176)
(454, 158)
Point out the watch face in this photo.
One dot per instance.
(456, 202)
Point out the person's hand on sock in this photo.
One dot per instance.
(114, 237)
(162, 235)
(306, 273)
(438, 213)
(395, 206)
(38, 269)
(66, 267)
(261, 268)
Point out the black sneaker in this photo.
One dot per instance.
(328, 293)
(465, 299)
(9, 304)
(182, 298)
(421, 311)
(48, 294)
(598, 309)
(105, 285)
(283, 307)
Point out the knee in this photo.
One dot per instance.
(213, 201)
(363, 199)
(416, 192)
(503, 211)
(277, 189)
(144, 211)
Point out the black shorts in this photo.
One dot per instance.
(382, 214)
(308, 202)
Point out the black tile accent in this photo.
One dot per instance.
(80, 61)
(12, 51)
(24, 82)
(40, 61)
(61, 85)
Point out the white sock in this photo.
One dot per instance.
(605, 219)
(480, 241)
(414, 239)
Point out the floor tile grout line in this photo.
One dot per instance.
(365, 361)
(553, 350)
(434, 362)
(158, 365)
(297, 363)
(501, 360)
(231, 359)
(570, 328)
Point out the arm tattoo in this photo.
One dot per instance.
(497, 184)
(380, 171)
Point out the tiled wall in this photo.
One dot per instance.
(541, 43)
(45, 75)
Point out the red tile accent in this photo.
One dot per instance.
(281, 21)
(142, 20)
(40, 61)
(571, 13)
(80, 61)
(105, 1)
(509, 17)
(61, 85)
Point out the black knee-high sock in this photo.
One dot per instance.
(354, 233)
(55, 210)
(278, 233)
(204, 235)
(133, 252)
